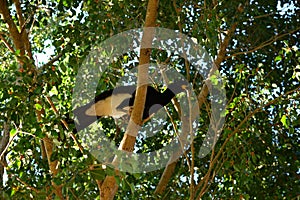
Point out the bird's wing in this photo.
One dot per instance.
(124, 105)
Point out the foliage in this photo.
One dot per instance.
(258, 152)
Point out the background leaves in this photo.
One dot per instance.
(258, 152)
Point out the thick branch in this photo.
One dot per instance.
(12, 28)
(52, 165)
(24, 33)
(109, 186)
(19, 13)
(20, 38)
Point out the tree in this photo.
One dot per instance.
(253, 44)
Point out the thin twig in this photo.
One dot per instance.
(264, 44)
(7, 43)
(12, 138)
(28, 186)
(52, 61)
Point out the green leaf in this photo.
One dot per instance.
(278, 58)
(12, 132)
(13, 191)
(17, 52)
(38, 107)
(284, 121)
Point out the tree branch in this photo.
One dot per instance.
(12, 28)
(23, 31)
(109, 186)
(264, 44)
(19, 13)
(28, 186)
(52, 61)
(7, 43)
(53, 166)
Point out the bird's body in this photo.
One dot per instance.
(118, 102)
(107, 105)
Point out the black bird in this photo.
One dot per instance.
(118, 102)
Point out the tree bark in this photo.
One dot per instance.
(3, 143)
(109, 186)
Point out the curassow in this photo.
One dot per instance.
(118, 102)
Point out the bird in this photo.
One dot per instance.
(119, 101)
